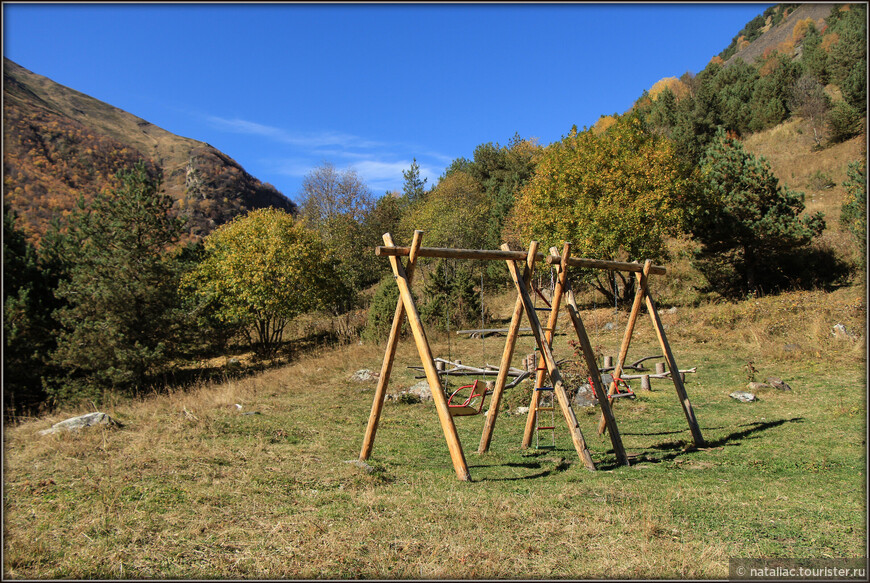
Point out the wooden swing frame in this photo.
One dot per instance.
(521, 275)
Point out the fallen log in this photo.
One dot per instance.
(664, 375)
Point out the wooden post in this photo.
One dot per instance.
(507, 353)
(425, 352)
(644, 383)
(389, 355)
(540, 364)
(697, 438)
(552, 368)
(660, 368)
(626, 339)
(608, 361)
(592, 365)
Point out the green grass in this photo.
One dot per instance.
(220, 494)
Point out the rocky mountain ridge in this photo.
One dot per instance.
(60, 143)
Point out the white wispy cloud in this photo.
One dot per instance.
(379, 164)
(307, 140)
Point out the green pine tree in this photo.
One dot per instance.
(29, 279)
(120, 292)
(748, 222)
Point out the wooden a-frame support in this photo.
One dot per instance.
(543, 338)
(642, 295)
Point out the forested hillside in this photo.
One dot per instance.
(745, 179)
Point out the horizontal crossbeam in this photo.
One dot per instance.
(502, 255)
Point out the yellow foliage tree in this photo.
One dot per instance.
(261, 270)
(604, 122)
(677, 87)
(617, 195)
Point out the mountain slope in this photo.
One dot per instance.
(60, 143)
(775, 35)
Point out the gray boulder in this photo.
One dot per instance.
(778, 383)
(421, 390)
(841, 333)
(87, 420)
(584, 397)
(743, 396)
(364, 375)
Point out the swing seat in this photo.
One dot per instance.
(622, 387)
(465, 408)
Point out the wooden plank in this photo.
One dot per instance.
(425, 352)
(541, 370)
(553, 369)
(508, 255)
(389, 355)
(591, 365)
(697, 438)
(507, 354)
(626, 339)
(632, 267)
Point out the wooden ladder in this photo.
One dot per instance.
(546, 403)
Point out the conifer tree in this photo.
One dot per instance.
(747, 221)
(120, 290)
(414, 188)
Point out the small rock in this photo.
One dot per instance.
(585, 397)
(361, 464)
(521, 410)
(672, 310)
(840, 332)
(778, 383)
(753, 386)
(82, 421)
(364, 375)
(610, 326)
(421, 390)
(741, 396)
(251, 413)
(792, 347)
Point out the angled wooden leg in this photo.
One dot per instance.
(553, 369)
(697, 438)
(540, 364)
(425, 352)
(507, 355)
(389, 355)
(626, 339)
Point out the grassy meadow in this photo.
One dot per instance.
(194, 487)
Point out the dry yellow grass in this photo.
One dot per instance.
(194, 488)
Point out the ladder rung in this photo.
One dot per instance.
(542, 309)
(544, 388)
(545, 409)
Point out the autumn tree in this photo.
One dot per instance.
(121, 313)
(618, 196)
(260, 271)
(336, 204)
(808, 99)
(748, 222)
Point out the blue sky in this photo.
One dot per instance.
(285, 87)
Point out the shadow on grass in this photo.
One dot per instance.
(671, 450)
(678, 448)
(560, 466)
